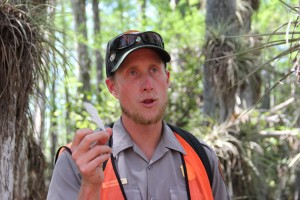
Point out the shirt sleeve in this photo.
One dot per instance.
(219, 188)
(66, 179)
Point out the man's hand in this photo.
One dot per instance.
(89, 151)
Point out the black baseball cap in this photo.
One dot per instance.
(122, 45)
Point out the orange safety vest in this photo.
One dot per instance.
(195, 173)
(198, 182)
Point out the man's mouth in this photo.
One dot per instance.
(148, 102)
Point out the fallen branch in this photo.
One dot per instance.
(294, 132)
(282, 105)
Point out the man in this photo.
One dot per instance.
(146, 158)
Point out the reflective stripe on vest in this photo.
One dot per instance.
(198, 181)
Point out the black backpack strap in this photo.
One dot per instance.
(198, 147)
(58, 151)
(109, 144)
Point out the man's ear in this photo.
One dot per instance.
(168, 78)
(110, 83)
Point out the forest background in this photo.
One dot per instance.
(234, 84)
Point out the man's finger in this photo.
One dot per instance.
(91, 167)
(98, 137)
(80, 134)
(93, 153)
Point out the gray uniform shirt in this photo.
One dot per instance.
(160, 178)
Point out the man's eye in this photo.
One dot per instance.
(132, 73)
(154, 69)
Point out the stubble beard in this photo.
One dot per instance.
(142, 119)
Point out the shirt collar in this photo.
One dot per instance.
(122, 140)
(170, 141)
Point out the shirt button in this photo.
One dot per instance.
(150, 167)
(152, 198)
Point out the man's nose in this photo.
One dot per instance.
(147, 83)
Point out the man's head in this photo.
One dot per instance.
(121, 46)
(137, 76)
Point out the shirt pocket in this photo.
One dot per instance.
(133, 193)
(178, 193)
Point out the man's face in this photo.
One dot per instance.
(141, 85)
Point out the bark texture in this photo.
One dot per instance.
(97, 31)
(82, 49)
(21, 159)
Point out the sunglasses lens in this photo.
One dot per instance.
(152, 38)
(127, 40)
(123, 41)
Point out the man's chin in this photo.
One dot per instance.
(142, 120)
(149, 117)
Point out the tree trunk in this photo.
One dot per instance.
(99, 59)
(22, 47)
(82, 49)
(39, 115)
(16, 79)
(7, 140)
(68, 122)
(222, 70)
(224, 73)
(219, 74)
(53, 123)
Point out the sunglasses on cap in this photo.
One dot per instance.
(127, 39)
(121, 46)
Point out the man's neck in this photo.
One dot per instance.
(146, 137)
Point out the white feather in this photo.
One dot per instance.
(94, 114)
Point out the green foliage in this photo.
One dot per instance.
(251, 160)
